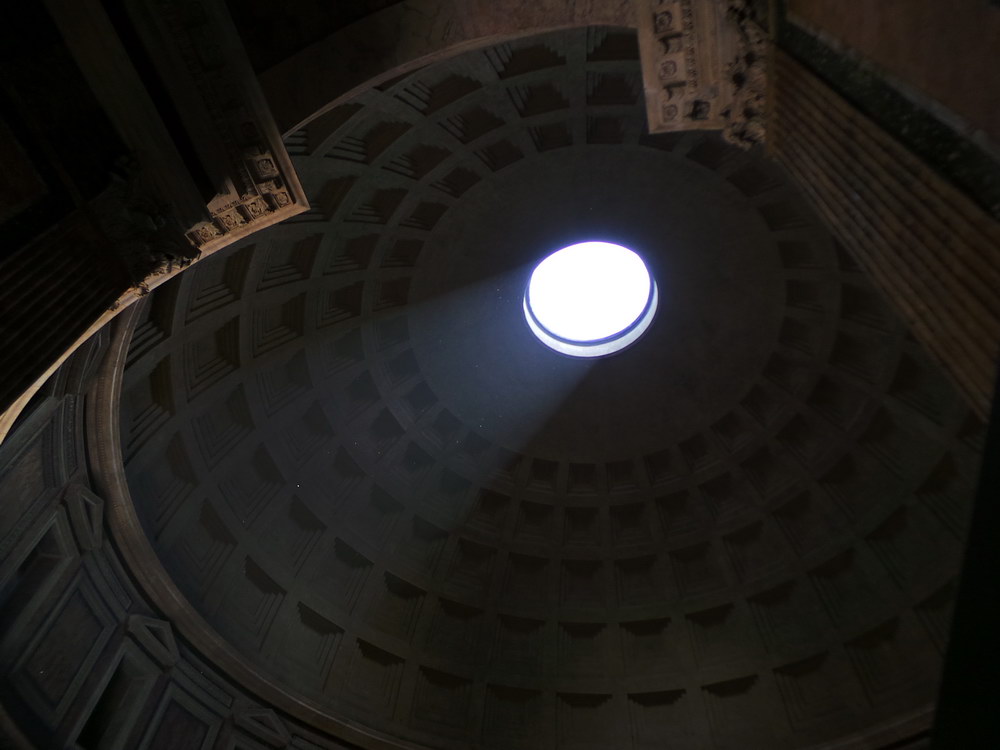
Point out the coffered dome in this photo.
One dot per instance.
(364, 473)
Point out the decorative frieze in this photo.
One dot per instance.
(702, 63)
(202, 62)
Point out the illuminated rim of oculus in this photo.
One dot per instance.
(590, 299)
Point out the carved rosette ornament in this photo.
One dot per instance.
(703, 67)
(747, 74)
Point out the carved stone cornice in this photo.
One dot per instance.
(201, 60)
(703, 67)
(747, 75)
(208, 168)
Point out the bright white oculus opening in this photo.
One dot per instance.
(590, 299)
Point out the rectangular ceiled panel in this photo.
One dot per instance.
(665, 715)
(517, 645)
(584, 720)
(814, 691)
(32, 573)
(737, 716)
(441, 703)
(181, 723)
(455, 630)
(55, 663)
(115, 712)
(371, 676)
(516, 718)
(892, 661)
(582, 648)
(306, 643)
(789, 617)
(720, 635)
(252, 603)
(651, 646)
(28, 476)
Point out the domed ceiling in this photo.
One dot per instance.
(363, 471)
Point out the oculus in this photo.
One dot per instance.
(590, 299)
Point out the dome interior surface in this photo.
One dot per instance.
(358, 465)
